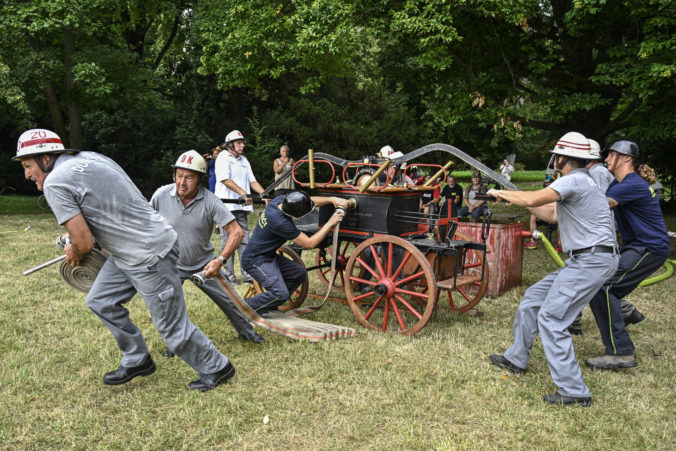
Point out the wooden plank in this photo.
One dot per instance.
(461, 280)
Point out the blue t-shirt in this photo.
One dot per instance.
(274, 228)
(638, 215)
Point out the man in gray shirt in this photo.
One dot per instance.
(548, 307)
(597, 171)
(95, 200)
(193, 212)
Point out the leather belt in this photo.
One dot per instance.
(594, 249)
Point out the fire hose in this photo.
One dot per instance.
(289, 324)
(80, 277)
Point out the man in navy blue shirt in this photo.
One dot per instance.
(645, 247)
(278, 275)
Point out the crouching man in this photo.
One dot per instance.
(193, 212)
(278, 275)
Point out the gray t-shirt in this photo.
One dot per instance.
(118, 215)
(602, 176)
(583, 213)
(194, 223)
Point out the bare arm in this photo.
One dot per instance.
(612, 202)
(81, 239)
(526, 198)
(278, 166)
(312, 242)
(232, 186)
(235, 235)
(546, 212)
(257, 187)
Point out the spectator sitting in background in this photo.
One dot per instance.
(473, 206)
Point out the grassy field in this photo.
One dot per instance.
(436, 390)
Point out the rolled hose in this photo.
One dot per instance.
(82, 276)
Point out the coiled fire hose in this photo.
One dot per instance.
(80, 277)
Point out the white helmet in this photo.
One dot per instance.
(191, 160)
(386, 151)
(38, 141)
(573, 144)
(595, 151)
(233, 136)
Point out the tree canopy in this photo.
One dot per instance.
(144, 80)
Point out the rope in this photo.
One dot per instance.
(277, 322)
(82, 276)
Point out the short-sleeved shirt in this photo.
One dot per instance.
(451, 193)
(583, 213)
(194, 223)
(273, 229)
(638, 215)
(602, 176)
(239, 171)
(119, 217)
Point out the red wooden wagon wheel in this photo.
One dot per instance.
(389, 280)
(345, 248)
(298, 296)
(470, 287)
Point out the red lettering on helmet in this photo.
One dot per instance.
(190, 160)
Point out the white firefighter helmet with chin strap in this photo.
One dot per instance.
(595, 150)
(574, 145)
(233, 136)
(38, 141)
(191, 160)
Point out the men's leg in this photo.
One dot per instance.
(525, 321)
(572, 289)
(276, 293)
(462, 212)
(160, 287)
(478, 212)
(243, 221)
(635, 265)
(106, 298)
(238, 321)
(293, 274)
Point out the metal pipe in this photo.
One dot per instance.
(438, 174)
(44, 265)
(311, 162)
(375, 176)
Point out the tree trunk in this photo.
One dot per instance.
(71, 92)
(53, 106)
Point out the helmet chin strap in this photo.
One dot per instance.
(46, 168)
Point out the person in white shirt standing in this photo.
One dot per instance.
(236, 181)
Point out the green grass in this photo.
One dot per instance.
(436, 390)
(517, 177)
(20, 205)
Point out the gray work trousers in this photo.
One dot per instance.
(212, 289)
(229, 267)
(160, 288)
(549, 307)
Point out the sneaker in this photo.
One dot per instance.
(634, 317)
(530, 244)
(557, 398)
(612, 361)
(502, 362)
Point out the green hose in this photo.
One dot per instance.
(669, 266)
(550, 249)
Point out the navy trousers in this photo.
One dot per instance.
(279, 278)
(636, 263)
